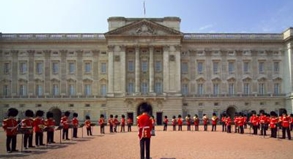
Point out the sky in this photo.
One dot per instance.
(197, 16)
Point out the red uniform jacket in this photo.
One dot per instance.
(50, 123)
(285, 121)
(262, 119)
(188, 121)
(145, 125)
(174, 122)
(254, 120)
(87, 123)
(111, 122)
(122, 121)
(273, 122)
(214, 120)
(65, 122)
(101, 121)
(75, 122)
(205, 120)
(180, 122)
(240, 121)
(129, 121)
(38, 124)
(166, 120)
(27, 123)
(116, 121)
(223, 119)
(228, 121)
(196, 121)
(10, 126)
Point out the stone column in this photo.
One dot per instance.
(111, 71)
(166, 69)
(137, 70)
(151, 68)
(123, 67)
(178, 70)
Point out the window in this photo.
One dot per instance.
(158, 66)
(39, 68)
(200, 89)
(261, 88)
(144, 66)
(130, 66)
(216, 67)
(184, 89)
(55, 68)
(55, 90)
(71, 89)
(144, 88)
(6, 68)
(22, 90)
(22, 67)
(231, 67)
(104, 68)
(130, 88)
(184, 67)
(200, 67)
(231, 88)
(276, 67)
(216, 88)
(276, 88)
(246, 88)
(103, 90)
(246, 67)
(39, 90)
(87, 67)
(71, 67)
(87, 89)
(261, 67)
(158, 87)
(5, 90)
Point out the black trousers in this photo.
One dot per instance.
(255, 127)
(274, 132)
(165, 127)
(263, 129)
(102, 129)
(284, 130)
(241, 128)
(188, 128)
(11, 139)
(50, 137)
(28, 138)
(65, 134)
(75, 132)
(129, 127)
(229, 129)
(89, 131)
(224, 127)
(122, 128)
(179, 127)
(195, 128)
(174, 127)
(145, 148)
(39, 138)
(205, 127)
(214, 127)
(111, 128)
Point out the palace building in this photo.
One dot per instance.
(146, 61)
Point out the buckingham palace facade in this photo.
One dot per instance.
(146, 61)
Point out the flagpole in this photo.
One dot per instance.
(144, 10)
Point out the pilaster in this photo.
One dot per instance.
(151, 68)
(111, 71)
(137, 70)
(166, 68)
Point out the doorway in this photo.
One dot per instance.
(231, 112)
(159, 118)
(130, 115)
(56, 115)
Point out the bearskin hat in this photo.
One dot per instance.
(49, 114)
(12, 112)
(291, 115)
(40, 113)
(214, 114)
(166, 116)
(29, 113)
(102, 116)
(116, 116)
(261, 111)
(240, 114)
(87, 117)
(122, 116)
(224, 115)
(111, 116)
(75, 115)
(195, 115)
(179, 116)
(174, 116)
(253, 112)
(67, 113)
(144, 108)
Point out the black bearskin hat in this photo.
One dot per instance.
(179, 116)
(166, 116)
(75, 115)
(116, 116)
(40, 113)
(122, 116)
(174, 116)
(253, 112)
(261, 111)
(102, 116)
(87, 117)
(12, 112)
(195, 115)
(214, 114)
(49, 114)
(291, 115)
(188, 115)
(111, 116)
(67, 113)
(144, 108)
(29, 113)
(224, 115)
(240, 114)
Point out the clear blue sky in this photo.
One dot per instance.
(90, 16)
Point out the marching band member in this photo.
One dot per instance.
(262, 121)
(240, 123)
(285, 126)
(228, 123)
(223, 121)
(129, 124)
(145, 125)
(10, 127)
(273, 121)
(236, 118)
(174, 123)
(214, 122)
(205, 122)
(111, 123)
(153, 124)
(39, 126)
(75, 124)
(188, 122)
(88, 126)
(65, 123)
(291, 122)
(196, 122)
(254, 122)
(28, 123)
(180, 122)
(122, 123)
(165, 123)
(116, 123)
(102, 124)
(245, 121)
(50, 124)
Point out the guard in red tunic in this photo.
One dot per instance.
(116, 123)
(39, 125)
(88, 125)
(75, 124)
(245, 121)
(144, 124)
(291, 122)
(180, 123)
(205, 122)
(273, 121)
(65, 123)
(10, 127)
(28, 123)
(165, 122)
(102, 124)
(236, 118)
(285, 126)
(122, 123)
(174, 123)
(254, 120)
(188, 122)
(50, 125)
(223, 122)
(111, 123)
(214, 122)
(262, 121)
(240, 123)
(129, 123)
(228, 122)
(196, 122)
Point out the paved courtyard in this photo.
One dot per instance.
(165, 145)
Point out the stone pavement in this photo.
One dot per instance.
(165, 145)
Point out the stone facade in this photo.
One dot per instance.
(146, 60)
